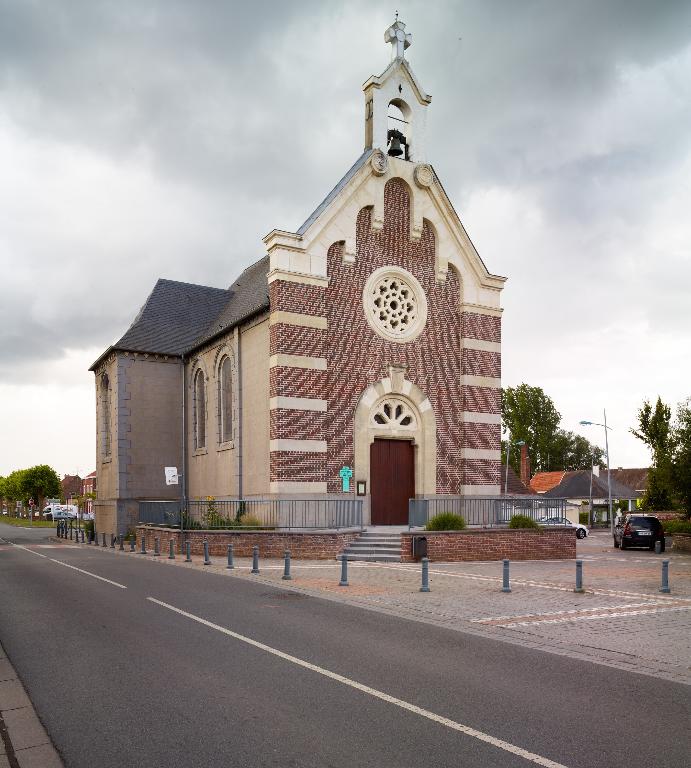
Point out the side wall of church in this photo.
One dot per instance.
(144, 407)
(214, 467)
(325, 355)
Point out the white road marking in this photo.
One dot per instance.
(574, 611)
(66, 565)
(466, 729)
(622, 614)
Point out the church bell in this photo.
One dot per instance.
(395, 148)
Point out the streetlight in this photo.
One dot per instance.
(609, 479)
(508, 453)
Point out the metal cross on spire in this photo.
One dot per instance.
(396, 35)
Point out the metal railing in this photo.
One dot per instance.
(255, 513)
(485, 511)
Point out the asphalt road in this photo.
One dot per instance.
(223, 672)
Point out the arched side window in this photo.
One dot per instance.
(105, 416)
(199, 410)
(225, 401)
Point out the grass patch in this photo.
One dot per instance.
(24, 522)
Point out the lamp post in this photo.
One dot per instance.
(609, 479)
(508, 453)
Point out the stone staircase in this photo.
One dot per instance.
(375, 547)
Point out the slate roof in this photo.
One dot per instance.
(178, 317)
(248, 295)
(636, 478)
(576, 485)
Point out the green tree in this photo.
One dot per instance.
(681, 456)
(40, 482)
(655, 430)
(570, 452)
(530, 415)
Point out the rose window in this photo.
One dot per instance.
(394, 413)
(395, 304)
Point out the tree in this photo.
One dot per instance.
(39, 482)
(656, 432)
(530, 415)
(681, 456)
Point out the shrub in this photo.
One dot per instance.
(584, 518)
(250, 521)
(522, 521)
(88, 526)
(446, 521)
(677, 526)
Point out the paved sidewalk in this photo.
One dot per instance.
(621, 620)
(24, 742)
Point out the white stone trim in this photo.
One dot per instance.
(490, 454)
(481, 381)
(298, 277)
(287, 486)
(298, 403)
(298, 361)
(303, 446)
(482, 309)
(481, 344)
(480, 490)
(295, 318)
(474, 417)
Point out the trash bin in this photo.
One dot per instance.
(419, 547)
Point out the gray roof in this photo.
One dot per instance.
(576, 485)
(326, 202)
(178, 317)
(248, 295)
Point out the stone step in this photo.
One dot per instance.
(374, 558)
(376, 544)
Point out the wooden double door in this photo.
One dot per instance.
(392, 480)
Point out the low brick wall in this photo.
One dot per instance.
(493, 544)
(681, 542)
(307, 545)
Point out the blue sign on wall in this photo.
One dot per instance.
(346, 473)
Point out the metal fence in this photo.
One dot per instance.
(255, 513)
(486, 511)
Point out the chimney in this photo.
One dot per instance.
(525, 465)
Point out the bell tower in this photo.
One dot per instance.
(395, 103)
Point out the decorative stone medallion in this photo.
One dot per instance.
(379, 162)
(424, 175)
(395, 304)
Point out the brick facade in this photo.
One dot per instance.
(484, 544)
(357, 357)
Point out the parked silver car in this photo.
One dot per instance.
(581, 530)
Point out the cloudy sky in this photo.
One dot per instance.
(141, 139)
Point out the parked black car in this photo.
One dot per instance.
(637, 530)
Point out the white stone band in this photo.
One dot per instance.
(298, 361)
(473, 417)
(298, 403)
(302, 446)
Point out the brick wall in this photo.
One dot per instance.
(485, 544)
(302, 546)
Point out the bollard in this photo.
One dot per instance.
(344, 571)
(255, 560)
(157, 546)
(206, 553)
(82, 535)
(171, 550)
(103, 540)
(230, 565)
(665, 577)
(188, 551)
(142, 551)
(70, 531)
(112, 540)
(579, 576)
(122, 542)
(506, 587)
(286, 566)
(425, 575)
(658, 547)
(132, 542)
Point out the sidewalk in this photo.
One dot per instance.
(24, 742)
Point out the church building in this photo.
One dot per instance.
(360, 355)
